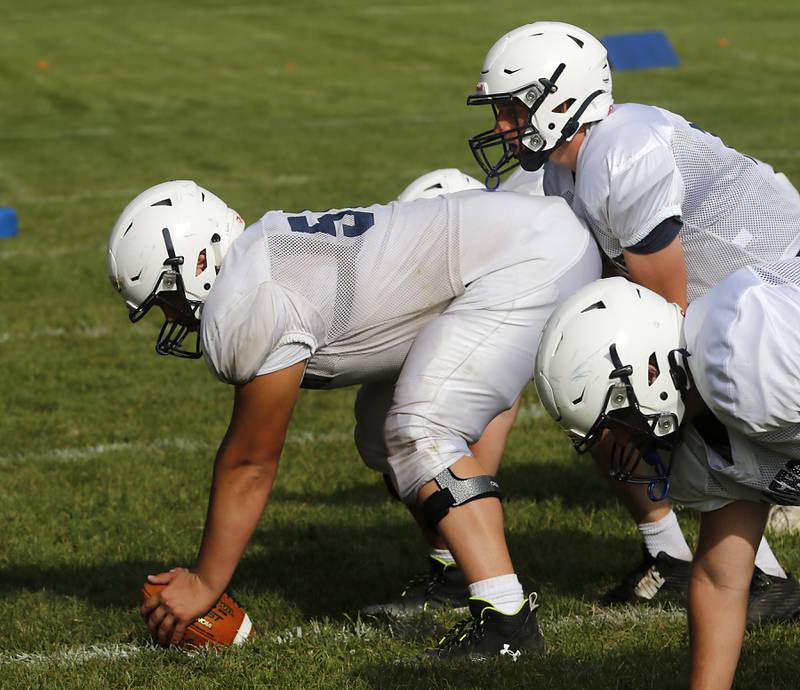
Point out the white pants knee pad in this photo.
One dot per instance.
(419, 450)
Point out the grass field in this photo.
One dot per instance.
(106, 449)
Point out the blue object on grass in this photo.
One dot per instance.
(640, 50)
(8, 222)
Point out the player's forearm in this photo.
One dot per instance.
(717, 617)
(239, 494)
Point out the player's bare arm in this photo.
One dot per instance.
(718, 590)
(663, 271)
(244, 471)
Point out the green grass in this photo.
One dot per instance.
(106, 450)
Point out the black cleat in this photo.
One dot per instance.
(490, 634)
(772, 599)
(652, 578)
(443, 587)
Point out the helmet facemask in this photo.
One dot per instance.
(520, 145)
(527, 145)
(645, 455)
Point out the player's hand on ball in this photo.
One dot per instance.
(174, 600)
(181, 609)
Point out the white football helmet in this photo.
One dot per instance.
(436, 182)
(612, 356)
(166, 249)
(560, 73)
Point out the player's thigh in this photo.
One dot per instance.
(467, 366)
(373, 401)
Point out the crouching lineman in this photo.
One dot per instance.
(437, 295)
(710, 403)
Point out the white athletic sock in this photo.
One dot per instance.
(766, 560)
(442, 555)
(665, 535)
(504, 592)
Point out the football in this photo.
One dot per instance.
(226, 624)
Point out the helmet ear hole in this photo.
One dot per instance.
(653, 370)
(564, 107)
(202, 263)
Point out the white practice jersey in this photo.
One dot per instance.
(744, 345)
(643, 165)
(524, 182)
(350, 289)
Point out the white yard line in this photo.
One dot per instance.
(79, 655)
(296, 438)
(30, 336)
(52, 253)
(777, 61)
(99, 450)
(25, 15)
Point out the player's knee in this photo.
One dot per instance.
(418, 451)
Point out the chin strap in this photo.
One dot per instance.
(533, 160)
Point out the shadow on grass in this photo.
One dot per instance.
(632, 666)
(325, 570)
(576, 484)
(768, 661)
(111, 585)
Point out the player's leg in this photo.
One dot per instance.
(440, 408)
(666, 557)
(489, 448)
(442, 585)
(465, 367)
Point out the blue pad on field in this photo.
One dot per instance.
(8, 222)
(640, 50)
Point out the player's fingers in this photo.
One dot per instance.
(165, 578)
(177, 633)
(149, 605)
(154, 620)
(165, 630)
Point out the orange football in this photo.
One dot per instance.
(226, 624)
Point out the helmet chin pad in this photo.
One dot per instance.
(533, 160)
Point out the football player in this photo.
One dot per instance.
(671, 206)
(708, 402)
(436, 296)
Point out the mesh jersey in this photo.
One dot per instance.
(745, 361)
(351, 288)
(642, 165)
(523, 182)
